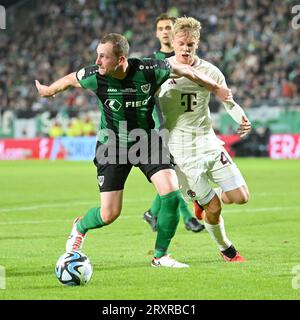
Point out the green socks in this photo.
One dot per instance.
(169, 207)
(91, 220)
(167, 221)
(184, 209)
(155, 206)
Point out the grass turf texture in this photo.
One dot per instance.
(39, 201)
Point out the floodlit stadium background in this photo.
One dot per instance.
(255, 44)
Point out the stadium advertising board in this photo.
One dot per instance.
(19, 149)
(281, 146)
(81, 148)
(284, 146)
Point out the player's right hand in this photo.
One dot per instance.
(44, 91)
(245, 127)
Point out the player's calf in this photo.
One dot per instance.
(198, 210)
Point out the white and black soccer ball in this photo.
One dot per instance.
(73, 269)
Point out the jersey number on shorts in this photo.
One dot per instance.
(224, 158)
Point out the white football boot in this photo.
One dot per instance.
(75, 239)
(167, 261)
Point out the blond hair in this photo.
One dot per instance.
(188, 25)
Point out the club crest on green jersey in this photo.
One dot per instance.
(146, 88)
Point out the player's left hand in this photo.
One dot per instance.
(224, 94)
(245, 127)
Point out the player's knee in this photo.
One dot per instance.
(237, 196)
(165, 181)
(242, 198)
(110, 214)
(212, 217)
(212, 212)
(214, 206)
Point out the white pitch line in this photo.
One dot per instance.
(271, 209)
(15, 222)
(45, 206)
(61, 205)
(72, 204)
(126, 216)
(264, 194)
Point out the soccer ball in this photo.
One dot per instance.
(73, 269)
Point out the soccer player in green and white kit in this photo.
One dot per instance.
(125, 89)
(164, 25)
(164, 29)
(199, 155)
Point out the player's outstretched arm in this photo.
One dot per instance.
(59, 85)
(221, 91)
(238, 115)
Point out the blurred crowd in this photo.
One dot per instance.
(252, 42)
(73, 127)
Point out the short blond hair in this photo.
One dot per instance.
(188, 25)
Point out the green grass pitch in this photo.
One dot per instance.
(39, 201)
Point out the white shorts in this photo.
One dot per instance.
(196, 172)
